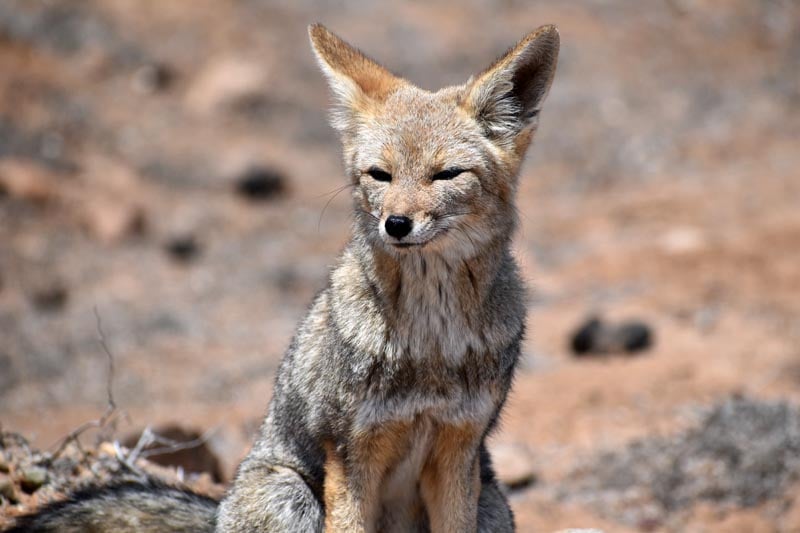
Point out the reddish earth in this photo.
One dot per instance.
(662, 186)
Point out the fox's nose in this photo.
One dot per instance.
(398, 226)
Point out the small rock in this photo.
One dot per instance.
(107, 449)
(260, 183)
(4, 466)
(153, 77)
(50, 297)
(183, 249)
(514, 465)
(682, 240)
(598, 337)
(27, 181)
(7, 489)
(111, 222)
(225, 83)
(32, 479)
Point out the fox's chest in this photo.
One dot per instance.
(409, 393)
(434, 318)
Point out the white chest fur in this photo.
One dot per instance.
(432, 312)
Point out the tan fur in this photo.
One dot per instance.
(370, 77)
(342, 510)
(355, 506)
(450, 480)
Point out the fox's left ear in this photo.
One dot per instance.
(507, 97)
(357, 81)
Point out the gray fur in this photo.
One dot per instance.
(129, 507)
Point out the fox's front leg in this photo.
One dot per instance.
(450, 484)
(354, 474)
(345, 509)
(267, 497)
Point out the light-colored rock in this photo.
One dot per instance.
(32, 479)
(110, 199)
(27, 181)
(224, 82)
(107, 449)
(682, 240)
(109, 221)
(513, 463)
(7, 489)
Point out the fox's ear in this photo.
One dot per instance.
(507, 97)
(356, 80)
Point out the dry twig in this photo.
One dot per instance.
(111, 407)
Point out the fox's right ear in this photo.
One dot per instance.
(357, 81)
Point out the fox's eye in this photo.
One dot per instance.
(448, 174)
(378, 174)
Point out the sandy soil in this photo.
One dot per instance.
(662, 186)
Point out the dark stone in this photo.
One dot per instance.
(260, 183)
(154, 77)
(585, 337)
(595, 336)
(634, 336)
(51, 297)
(183, 248)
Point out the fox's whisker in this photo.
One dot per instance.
(335, 193)
(377, 219)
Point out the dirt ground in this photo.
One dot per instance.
(663, 186)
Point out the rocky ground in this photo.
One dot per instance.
(168, 188)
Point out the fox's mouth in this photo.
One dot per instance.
(404, 245)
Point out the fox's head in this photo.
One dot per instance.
(436, 171)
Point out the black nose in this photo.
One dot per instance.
(397, 226)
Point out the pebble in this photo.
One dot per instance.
(596, 336)
(514, 465)
(225, 82)
(32, 479)
(153, 77)
(51, 296)
(27, 181)
(183, 248)
(7, 489)
(260, 183)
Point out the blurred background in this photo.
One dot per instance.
(168, 167)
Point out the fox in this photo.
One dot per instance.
(397, 375)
